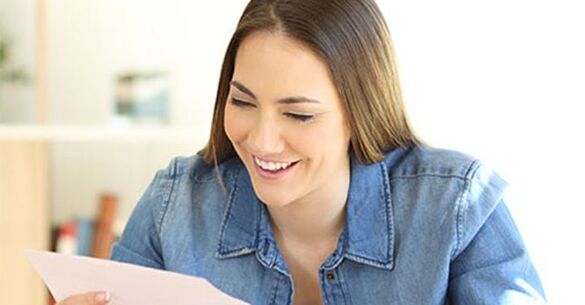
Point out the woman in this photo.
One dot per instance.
(314, 189)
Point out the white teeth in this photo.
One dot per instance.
(272, 166)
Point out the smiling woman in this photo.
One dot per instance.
(292, 118)
(314, 188)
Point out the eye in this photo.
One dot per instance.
(300, 117)
(240, 103)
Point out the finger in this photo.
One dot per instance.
(91, 298)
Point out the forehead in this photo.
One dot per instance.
(273, 65)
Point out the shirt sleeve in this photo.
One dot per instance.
(491, 264)
(140, 242)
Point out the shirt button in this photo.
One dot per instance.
(330, 276)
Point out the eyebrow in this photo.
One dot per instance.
(284, 100)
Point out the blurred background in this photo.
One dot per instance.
(95, 96)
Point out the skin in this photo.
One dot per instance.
(306, 206)
(90, 298)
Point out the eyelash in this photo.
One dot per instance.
(298, 117)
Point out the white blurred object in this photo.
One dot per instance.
(67, 239)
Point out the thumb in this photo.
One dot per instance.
(90, 298)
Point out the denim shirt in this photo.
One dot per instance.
(423, 226)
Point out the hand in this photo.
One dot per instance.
(90, 298)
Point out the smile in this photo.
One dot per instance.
(272, 166)
(273, 169)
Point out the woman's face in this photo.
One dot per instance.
(285, 120)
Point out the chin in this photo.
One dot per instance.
(274, 201)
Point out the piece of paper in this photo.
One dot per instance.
(128, 284)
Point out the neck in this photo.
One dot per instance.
(316, 218)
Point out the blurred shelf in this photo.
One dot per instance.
(93, 133)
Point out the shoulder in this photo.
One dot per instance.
(197, 170)
(189, 185)
(430, 161)
(476, 176)
(438, 181)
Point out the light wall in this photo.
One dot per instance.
(17, 22)
(91, 41)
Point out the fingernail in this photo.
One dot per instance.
(102, 297)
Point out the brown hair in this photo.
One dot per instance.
(352, 38)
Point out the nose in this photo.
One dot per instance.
(265, 138)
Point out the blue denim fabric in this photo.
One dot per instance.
(424, 226)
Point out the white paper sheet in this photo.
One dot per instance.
(128, 284)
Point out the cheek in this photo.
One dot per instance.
(235, 124)
(326, 141)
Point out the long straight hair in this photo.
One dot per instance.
(352, 38)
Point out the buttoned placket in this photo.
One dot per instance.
(332, 284)
(270, 257)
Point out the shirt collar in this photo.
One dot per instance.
(367, 238)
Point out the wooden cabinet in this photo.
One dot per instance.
(24, 219)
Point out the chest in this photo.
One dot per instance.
(304, 268)
(307, 290)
